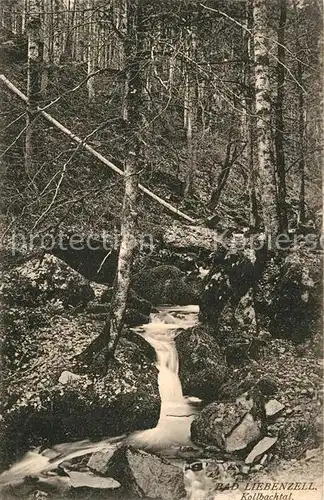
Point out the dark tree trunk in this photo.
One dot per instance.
(224, 173)
(279, 122)
(301, 130)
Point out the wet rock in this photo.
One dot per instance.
(99, 462)
(202, 367)
(167, 285)
(135, 318)
(260, 449)
(45, 280)
(273, 408)
(144, 475)
(231, 426)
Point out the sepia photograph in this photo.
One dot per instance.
(161, 249)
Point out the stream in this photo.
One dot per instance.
(177, 410)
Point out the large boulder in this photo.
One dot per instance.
(41, 280)
(232, 427)
(141, 474)
(227, 301)
(167, 285)
(190, 238)
(249, 292)
(46, 406)
(202, 367)
(289, 294)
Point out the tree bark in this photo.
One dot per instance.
(34, 73)
(263, 120)
(112, 331)
(248, 119)
(279, 122)
(301, 133)
(134, 46)
(190, 117)
(225, 171)
(90, 55)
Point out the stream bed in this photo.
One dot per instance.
(172, 432)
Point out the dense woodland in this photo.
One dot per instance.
(194, 125)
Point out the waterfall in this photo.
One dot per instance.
(176, 415)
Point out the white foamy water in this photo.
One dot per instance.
(176, 415)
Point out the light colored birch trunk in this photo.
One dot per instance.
(34, 71)
(135, 98)
(263, 119)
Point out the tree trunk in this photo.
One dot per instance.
(112, 331)
(248, 119)
(190, 117)
(47, 35)
(90, 55)
(34, 72)
(279, 122)
(225, 171)
(263, 120)
(301, 130)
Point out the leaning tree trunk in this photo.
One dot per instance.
(34, 74)
(279, 121)
(263, 119)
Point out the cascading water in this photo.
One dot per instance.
(177, 411)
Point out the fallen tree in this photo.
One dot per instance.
(95, 153)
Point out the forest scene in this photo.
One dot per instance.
(161, 249)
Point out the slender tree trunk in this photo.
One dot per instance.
(301, 130)
(91, 49)
(190, 118)
(110, 336)
(279, 121)
(122, 62)
(34, 72)
(249, 118)
(263, 119)
(47, 34)
(134, 45)
(224, 173)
